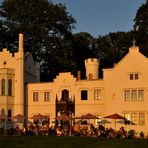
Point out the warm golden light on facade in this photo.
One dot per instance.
(123, 89)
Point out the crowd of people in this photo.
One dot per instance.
(75, 130)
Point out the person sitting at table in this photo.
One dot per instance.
(58, 131)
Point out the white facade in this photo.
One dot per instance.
(13, 76)
(123, 89)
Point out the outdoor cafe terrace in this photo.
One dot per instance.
(15, 125)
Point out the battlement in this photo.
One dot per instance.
(6, 52)
(92, 61)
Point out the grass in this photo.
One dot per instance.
(69, 142)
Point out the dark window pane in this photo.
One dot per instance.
(9, 87)
(84, 95)
(3, 87)
(136, 76)
(131, 76)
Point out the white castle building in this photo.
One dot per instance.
(123, 89)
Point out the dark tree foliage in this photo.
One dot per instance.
(141, 19)
(47, 29)
(2, 35)
(112, 47)
(48, 36)
(141, 27)
(81, 50)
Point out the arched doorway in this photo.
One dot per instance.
(65, 105)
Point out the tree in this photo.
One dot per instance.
(141, 18)
(141, 27)
(107, 48)
(111, 48)
(81, 50)
(46, 26)
(2, 35)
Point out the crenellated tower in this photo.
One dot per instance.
(92, 68)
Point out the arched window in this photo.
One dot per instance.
(3, 111)
(3, 114)
(65, 95)
(90, 76)
(3, 87)
(9, 87)
(9, 114)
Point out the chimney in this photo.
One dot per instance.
(79, 75)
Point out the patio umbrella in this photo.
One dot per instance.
(89, 116)
(3, 117)
(115, 117)
(19, 118)
(46, 117)
(63, 117)
(37, 117)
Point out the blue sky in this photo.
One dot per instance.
(100, 17)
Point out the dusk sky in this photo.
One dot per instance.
(100, 17)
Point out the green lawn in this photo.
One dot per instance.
(68, 142)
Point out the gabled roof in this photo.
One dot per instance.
(133, 53)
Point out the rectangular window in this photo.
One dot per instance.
(140, 95)
(136, 76)
(134, 118)
(83, 94)
(134, 95)
(128, 117)
(127, 96)
(97, 94)
(35, 96)
(141, 119)
(46, 96)
(131, 77)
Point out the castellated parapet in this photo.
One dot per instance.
(92, 68)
